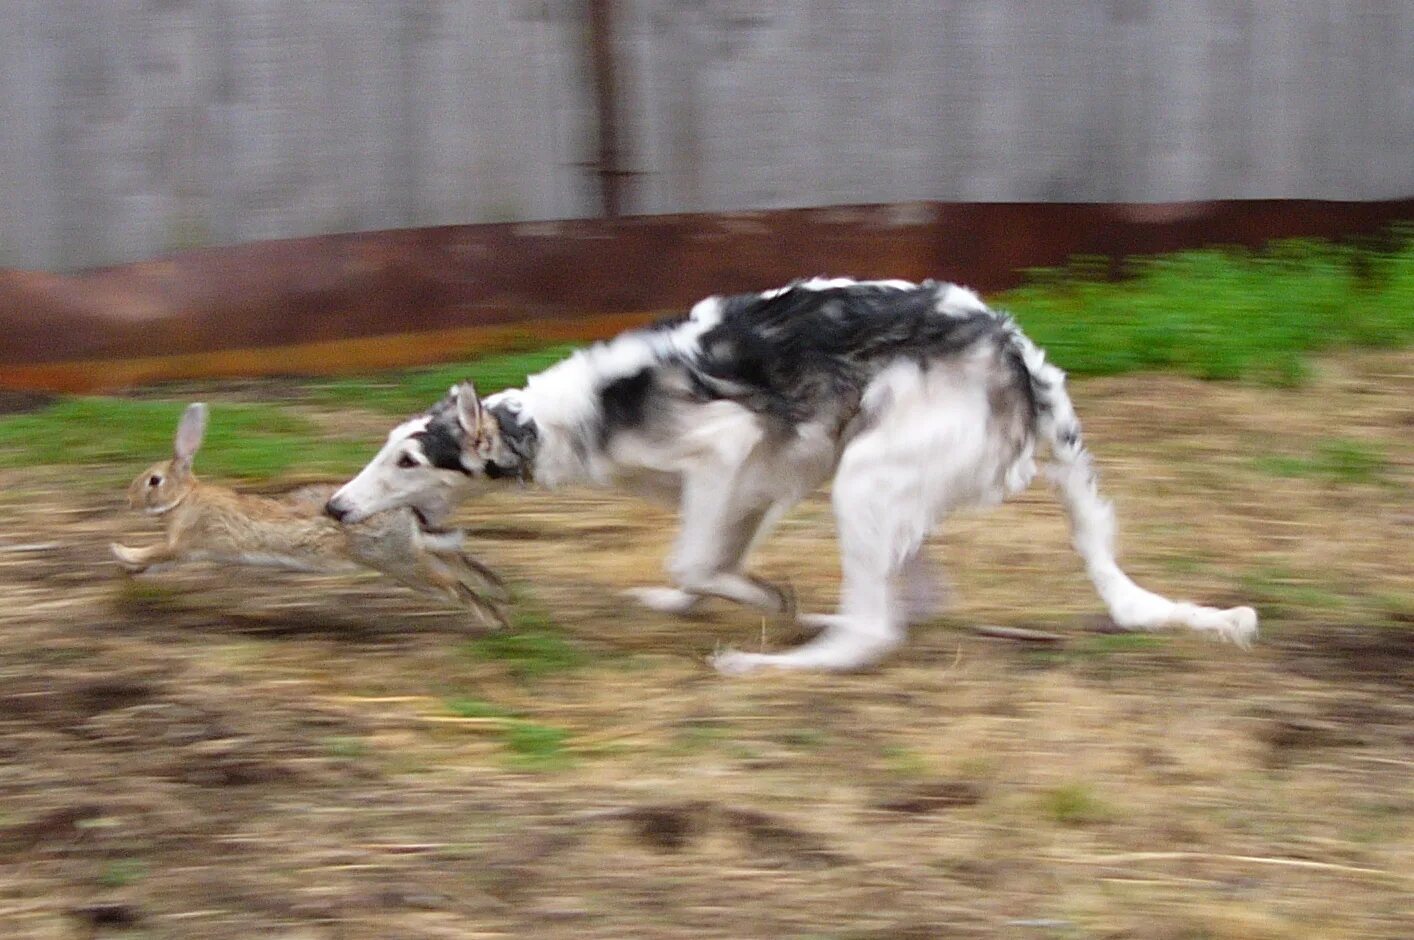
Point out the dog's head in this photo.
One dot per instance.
(430, 460)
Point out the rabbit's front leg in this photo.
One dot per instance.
(439, 577)
(444, 549)
(473, 574)
(138, 560)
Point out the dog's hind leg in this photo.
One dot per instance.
(922, 594)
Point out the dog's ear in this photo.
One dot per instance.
(474, 420)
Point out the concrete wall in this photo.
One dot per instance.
(133, 127)
(130, 127)
(738, 104)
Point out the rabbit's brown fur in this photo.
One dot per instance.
(213, 523)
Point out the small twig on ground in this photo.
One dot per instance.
(489, 721)
(1376, 759)
(1017, 633)
(408, 848)
(1127, 857)
(379, 699)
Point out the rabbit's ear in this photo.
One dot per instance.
(470, 415)
(190, 431)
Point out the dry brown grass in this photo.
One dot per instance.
(220, 755)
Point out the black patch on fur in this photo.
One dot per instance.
(520, 439)
(441, 440)
(806, 355)
(791, 354)
(443, 453)
(624, 403)
(1036, 392)
(495, 471)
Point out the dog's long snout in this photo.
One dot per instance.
(335, 511)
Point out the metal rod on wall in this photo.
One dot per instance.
(602, 64)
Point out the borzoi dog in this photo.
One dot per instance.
(916, 399)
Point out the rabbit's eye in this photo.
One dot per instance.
(154, 480)
(407, 462)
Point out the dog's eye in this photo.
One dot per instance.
(154, 480)
(406, 461)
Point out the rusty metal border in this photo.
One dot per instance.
(351, 302)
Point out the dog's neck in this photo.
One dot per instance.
(517, 442)
(532, 447)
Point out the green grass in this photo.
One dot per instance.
(122, 872)
(529, 745)
(534, 746)
(1395, 609)
(1073, 804)
(1117, 644)
(804, 739)
(1281, 594)
(1221, 314)
(1285, 595)
(905, 762)
(246, 441)
(413, 390)
(1103, 656)
(474, 708)
(695, 737)
(345, 747)
(530, 648)
(1338, 461)
(149, 597)
(528, 654)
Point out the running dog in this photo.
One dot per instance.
(917, 400)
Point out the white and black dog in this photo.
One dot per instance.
(917, 399)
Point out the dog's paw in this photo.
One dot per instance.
(1242, 626)
(665, 600)
(730, 662)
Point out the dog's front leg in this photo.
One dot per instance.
(716, 536)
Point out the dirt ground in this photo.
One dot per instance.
(218, 754)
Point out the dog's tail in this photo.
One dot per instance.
(1092, 518)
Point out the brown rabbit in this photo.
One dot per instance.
(214, 523)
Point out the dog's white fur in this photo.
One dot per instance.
(925, 441)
